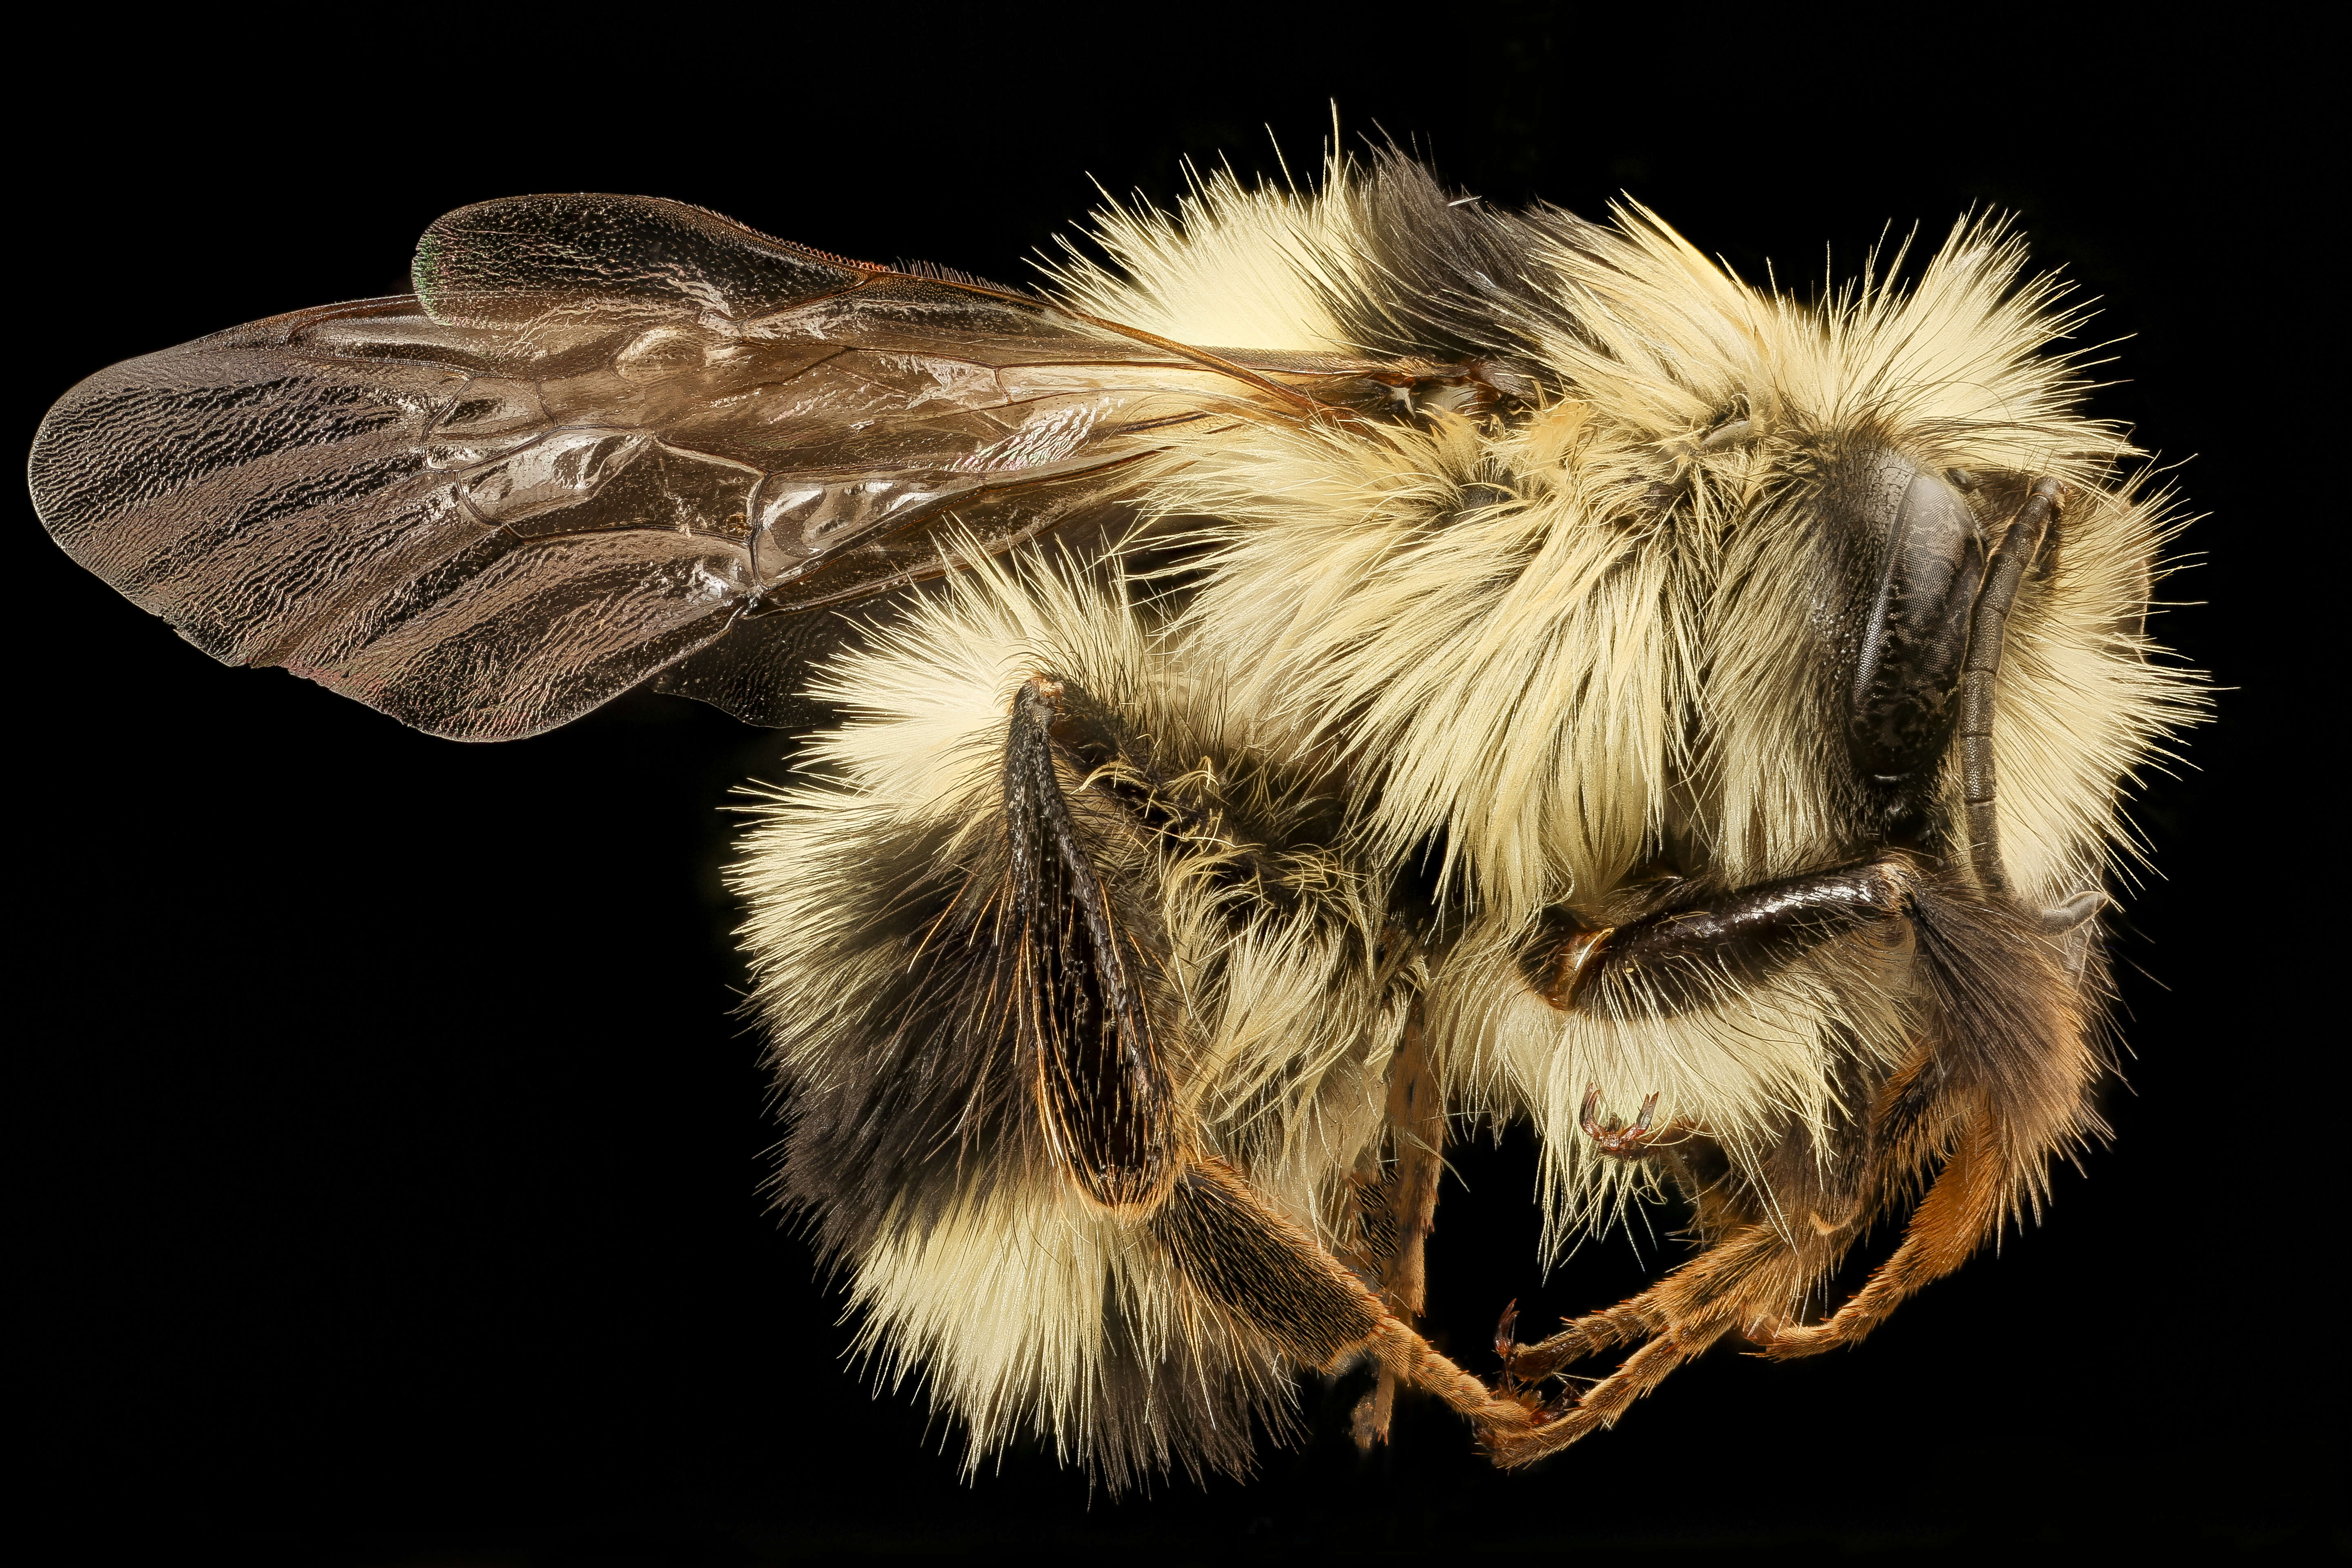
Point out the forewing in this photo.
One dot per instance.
(606, 434)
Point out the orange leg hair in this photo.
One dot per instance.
(1753, 1282)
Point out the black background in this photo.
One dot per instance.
(389, 1152)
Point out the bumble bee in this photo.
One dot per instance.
(1334, 666)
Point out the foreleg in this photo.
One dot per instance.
(1970, 1197)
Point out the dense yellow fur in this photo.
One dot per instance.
(1234, 268)
(1004, 1299)
(1556, 646)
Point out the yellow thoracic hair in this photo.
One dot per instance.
(1555, 644)
(1534, 654)
(1537, 655)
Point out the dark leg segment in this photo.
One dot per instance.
(1416, 1132)
(1271, 1275)
(1260, 1267)
(1104, 1093)
(1682, 956)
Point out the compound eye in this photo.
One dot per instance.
(1930, 562)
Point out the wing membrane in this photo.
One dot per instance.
(604, 435)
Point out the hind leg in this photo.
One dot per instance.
(1115, 1121)
(1266, 1271)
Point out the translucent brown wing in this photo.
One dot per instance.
(608, 438)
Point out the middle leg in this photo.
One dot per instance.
(1415, 1121)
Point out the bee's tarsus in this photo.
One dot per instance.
(1623, 1143)
(1368, 1425)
